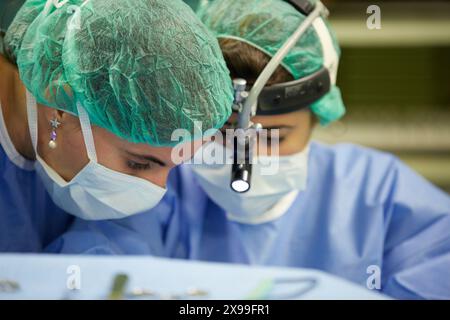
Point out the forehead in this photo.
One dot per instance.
(108, 138)
(291, 119)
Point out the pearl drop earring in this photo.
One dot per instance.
(55, 124)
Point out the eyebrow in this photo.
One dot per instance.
(284, 126)
(279, 127)
(147, 158)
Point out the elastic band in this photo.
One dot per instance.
(32, 119)
(87, 132)
(330, 56)
(84, 121)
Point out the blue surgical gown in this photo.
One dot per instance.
(29, 220)
(361, 208)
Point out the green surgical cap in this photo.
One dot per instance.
(193, 3)
(266, 25)
(17, 29)
(140, 68)
(8, 10)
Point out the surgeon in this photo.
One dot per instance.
(347, 210)
(90, 94)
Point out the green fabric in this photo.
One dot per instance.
(193, 3)
(140, 68)
(330, 107)
(8, 10)
(16, 29)
(266, 25)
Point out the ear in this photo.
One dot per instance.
(50, 113)
(67, 121)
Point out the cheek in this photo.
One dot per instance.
(70, 156)
(158, 177)
(290, 145)
(73, 140)
(107, 150)
(295, 142)
(109, 155)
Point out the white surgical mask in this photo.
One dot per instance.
(269, 197)
(96, 192)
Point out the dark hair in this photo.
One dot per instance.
(247, 62)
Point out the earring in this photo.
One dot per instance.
(55, 124)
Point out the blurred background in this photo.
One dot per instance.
(395, 81)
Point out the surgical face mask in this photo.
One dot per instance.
(96, 192)
(270, 195)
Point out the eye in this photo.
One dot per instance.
(270, 142)
(269, 139)
(140, 166)
(280, 139)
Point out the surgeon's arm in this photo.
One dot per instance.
(416, 262)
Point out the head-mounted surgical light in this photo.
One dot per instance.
(276, 99)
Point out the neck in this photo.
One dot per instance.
(13, 101)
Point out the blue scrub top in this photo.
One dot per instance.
(29, 220)
(361, 208)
